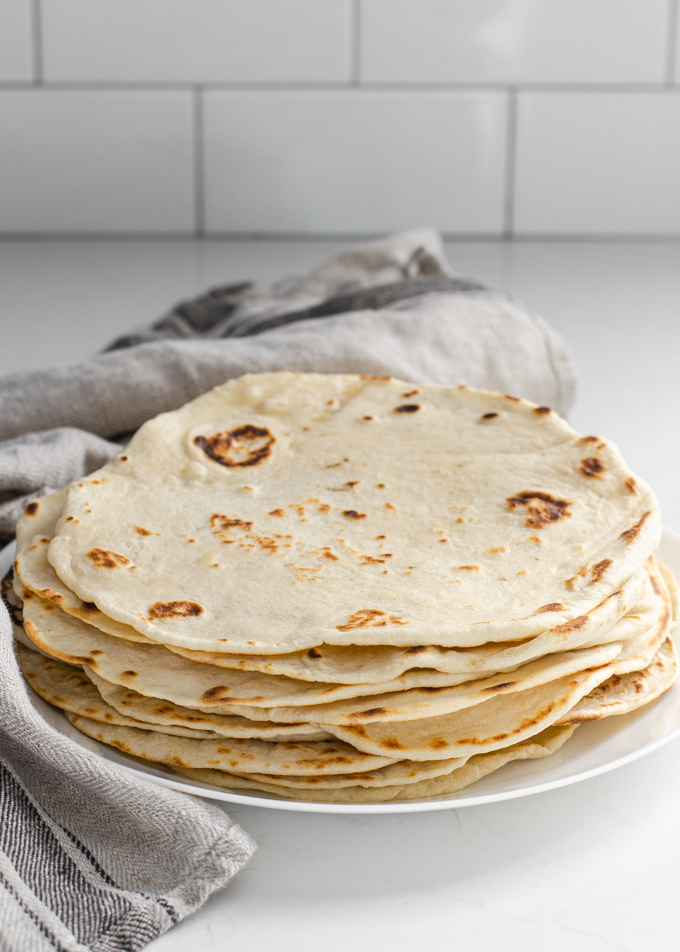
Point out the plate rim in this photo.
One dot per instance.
(152, 774)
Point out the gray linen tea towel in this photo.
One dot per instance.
(90, 857)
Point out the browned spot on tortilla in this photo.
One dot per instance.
(353, 514)
(277, 512)
(314, 654)
(589, 439)
(489, 416)
(391, 743)
(327, 554)
(499, 548)
(179, 609)
(53, 596)
(381, 485)
(591, 466)
(542, 411)
(631, 485)
(89, 607)
(541, 508)
(370, 618)
(31, 508)
(438, 743)
(409, 393)
(246, 445)
(407, 408)
(142, 532)
(125, 674)
(417, 649)
(570, 582)
(220, 523)
(468, 568)
(123, 459)
(550, 607)
(508, 397)
(495, 688)
(268, 544)
(212, 694)
(598, 570)
(388, 505)
(374, 377)
(572, 625)
(367, 418)
(105, 559)
(535, 539)
(371, 560)
(631, 533)
(324, 508)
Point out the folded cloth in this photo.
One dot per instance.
(391, 307)
(92, 858)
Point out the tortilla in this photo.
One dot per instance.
(621, 616)
(349, 664)
(71, 689)
(283, 511)
(297, 758)
(501, 720)
(623, 693)
(157, 673)
(542, 745)
(32, 570)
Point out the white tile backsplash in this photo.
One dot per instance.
(16, 41)
(352, 161)
(197, 41)
(513, 41)
(598, 163)
(339, 116)
(80, 161)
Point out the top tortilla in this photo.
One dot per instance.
(282, 511)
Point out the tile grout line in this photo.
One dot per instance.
(172, 236)
(510, 164)
(671, 39)
(36, 36)
(363, 86)
(198, 163)
(355, 64)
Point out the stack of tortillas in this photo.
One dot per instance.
(346, 588)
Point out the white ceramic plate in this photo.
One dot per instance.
(594, 749)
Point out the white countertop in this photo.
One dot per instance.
(591, 867)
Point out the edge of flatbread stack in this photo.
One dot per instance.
(345, 589)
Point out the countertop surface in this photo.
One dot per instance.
(592, 866)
